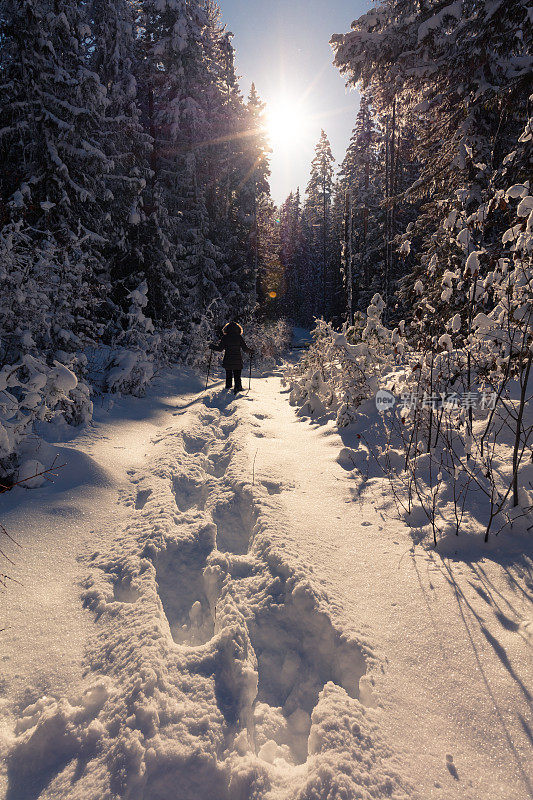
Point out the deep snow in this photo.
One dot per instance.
(213, 604)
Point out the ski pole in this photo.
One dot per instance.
(250, 375)
(208, 370)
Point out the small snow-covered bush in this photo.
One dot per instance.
(30, 391)
(268, 341)
(195, 351)
(129, 371)
(139, 350)
(342, 369)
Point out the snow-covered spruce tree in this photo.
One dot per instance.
(113, 55)
(162, 36)
(193, 115)
(232, 165)
(361, 188)
(227, 283)
(379, 165)
(237, 173)
(272, 276)
(401, 210)
(289, 223)
(256, 186)
(457, 66)
(295, 237)
(460, 73)
(317, 209)
(336, 293)
(53, 167)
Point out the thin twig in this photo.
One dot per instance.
(45, 472)
(253, 468)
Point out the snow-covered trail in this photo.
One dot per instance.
(215, 610)
(453, 632)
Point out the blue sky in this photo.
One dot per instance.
(283, 46)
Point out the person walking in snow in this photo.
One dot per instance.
(232, 343)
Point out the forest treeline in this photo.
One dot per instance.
(445, 97)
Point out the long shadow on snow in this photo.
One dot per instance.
(474, 618)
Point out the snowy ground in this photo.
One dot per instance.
(213, 605)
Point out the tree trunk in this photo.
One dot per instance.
(258, 288)
(348, 270)
(153, 154)
(518, 429)
(324, 268)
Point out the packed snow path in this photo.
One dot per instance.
(247, 622)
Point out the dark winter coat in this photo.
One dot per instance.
(232, 343)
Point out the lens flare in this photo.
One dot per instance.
(287, 123)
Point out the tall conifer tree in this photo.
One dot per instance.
(318, 210)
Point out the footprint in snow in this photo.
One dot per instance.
(451, 767)
(235, 518)
(298, 652)
(142, 498)
(219, 462)
(273, 487)
(194, 443)
(188, 492)
(228, 427)
(181, 588)
(124, 592)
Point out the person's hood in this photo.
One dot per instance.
(232, 328)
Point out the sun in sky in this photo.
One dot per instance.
(287, 124)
